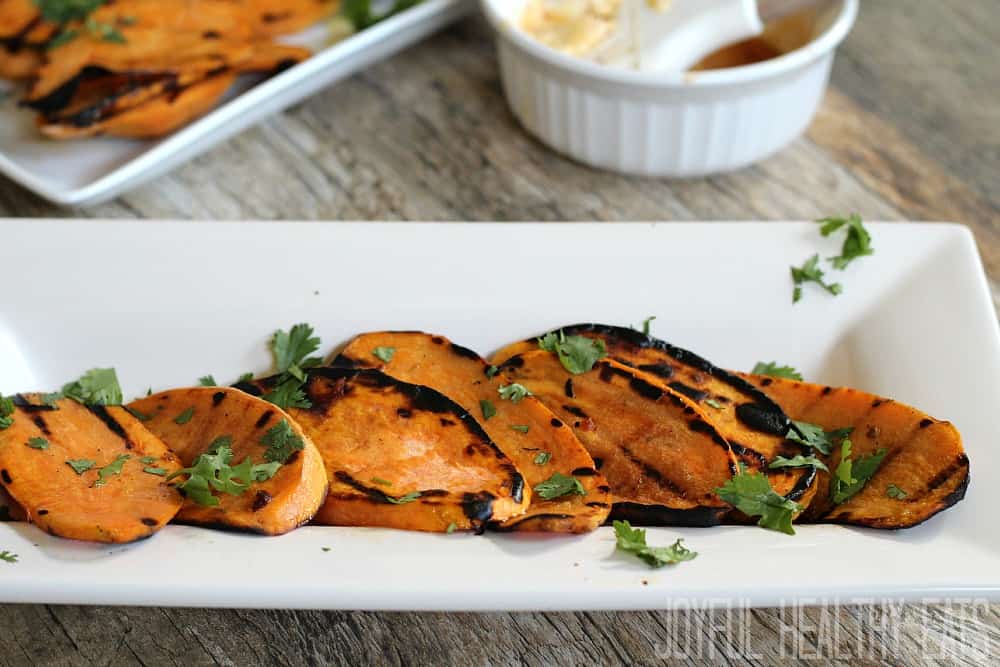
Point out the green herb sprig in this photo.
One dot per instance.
(633, 540)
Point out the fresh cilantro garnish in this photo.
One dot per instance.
(451, 528)
(6, 412)
(491, 371)
(49, 400)
(798, 461)
(8, 557)
(98, 386)
(895, 492)
(521, 428)
(851, 476)
(857, 243)
(751, 493)
(514, 393)
(379, 480)
(578, 354)
(208, 381)
(38, 443)
(246, 377)
(138, 415)
(811, 273)
(81, 466)
(147, 460)
(772, 369)
(212, 472)
(281, 442)
(542, 458)
(489, 410)
(633, 540)
(161, 472)
(402, 500)
(384, 353)
(815, 437)
(559, 485)
(65, 11)
(646, 322)
(712, 403)
(291, 350)
(184, 417)
(112, 469)
(362, 16)
(326, 549)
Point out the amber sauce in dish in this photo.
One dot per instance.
(780, 37)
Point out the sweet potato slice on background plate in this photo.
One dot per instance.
(283, 17)
(108, 497)
(190, 420)
(401, 455)
(754, 425)
(660, 455)
(924, 457)
(526, 431)
(17, 17)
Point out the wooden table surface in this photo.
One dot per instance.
(909, 131)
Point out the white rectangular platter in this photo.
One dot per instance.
(91, 171)
(169, 302)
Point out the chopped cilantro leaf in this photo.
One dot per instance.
(646, 322)
(798, 461)
(578, 354)
(361, 14)
(815, 437)
(111, 470)
(542, 458)
(38, 443)
(857, 243)
(8, 557)
(451, 528)
(379, 480)
(811, 273)
(138, 415)
(212, 471)
(281, 442)
(712, 403)
(633, 540)
(751, 493)
(384, 353)
(559, 485)
(851, 476)
(246, 377)
(514, 393)
(489, 410)
(402, 500)
(521, 428)
(895, 492)
(161, 472)
(291, 350)
(491, 371)
(772, 369)
(288, 394)
(184, 417)
(6, 412)
(147, 460)
(207, 381)
(98, 386)
(81, 466)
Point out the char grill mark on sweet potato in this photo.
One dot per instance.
(924, 458)
(661, 458)
(129, 506)
(296, 491)
(461, 374)
(752, 423)
(383, 438)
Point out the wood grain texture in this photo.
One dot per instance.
(910, 130)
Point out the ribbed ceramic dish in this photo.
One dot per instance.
(674, 124)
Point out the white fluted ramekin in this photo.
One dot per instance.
(677, 125)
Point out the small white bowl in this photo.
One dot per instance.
(677, 125)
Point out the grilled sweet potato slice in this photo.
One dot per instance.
(21, 63)
(753, 424)
(97, 503)
(190, 420)
(17, 17)
(401, 455)
(925, 457)
(524, 431)
(660, 455)
(283, 17)
(9, 509)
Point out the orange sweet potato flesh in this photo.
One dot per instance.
(383, 439)
(21, 63)
(752, 424)
(660, 455)
(16, 17)
(925, 456)
(283, 17)
(129, 506)
(461, 374)
(274, 507)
